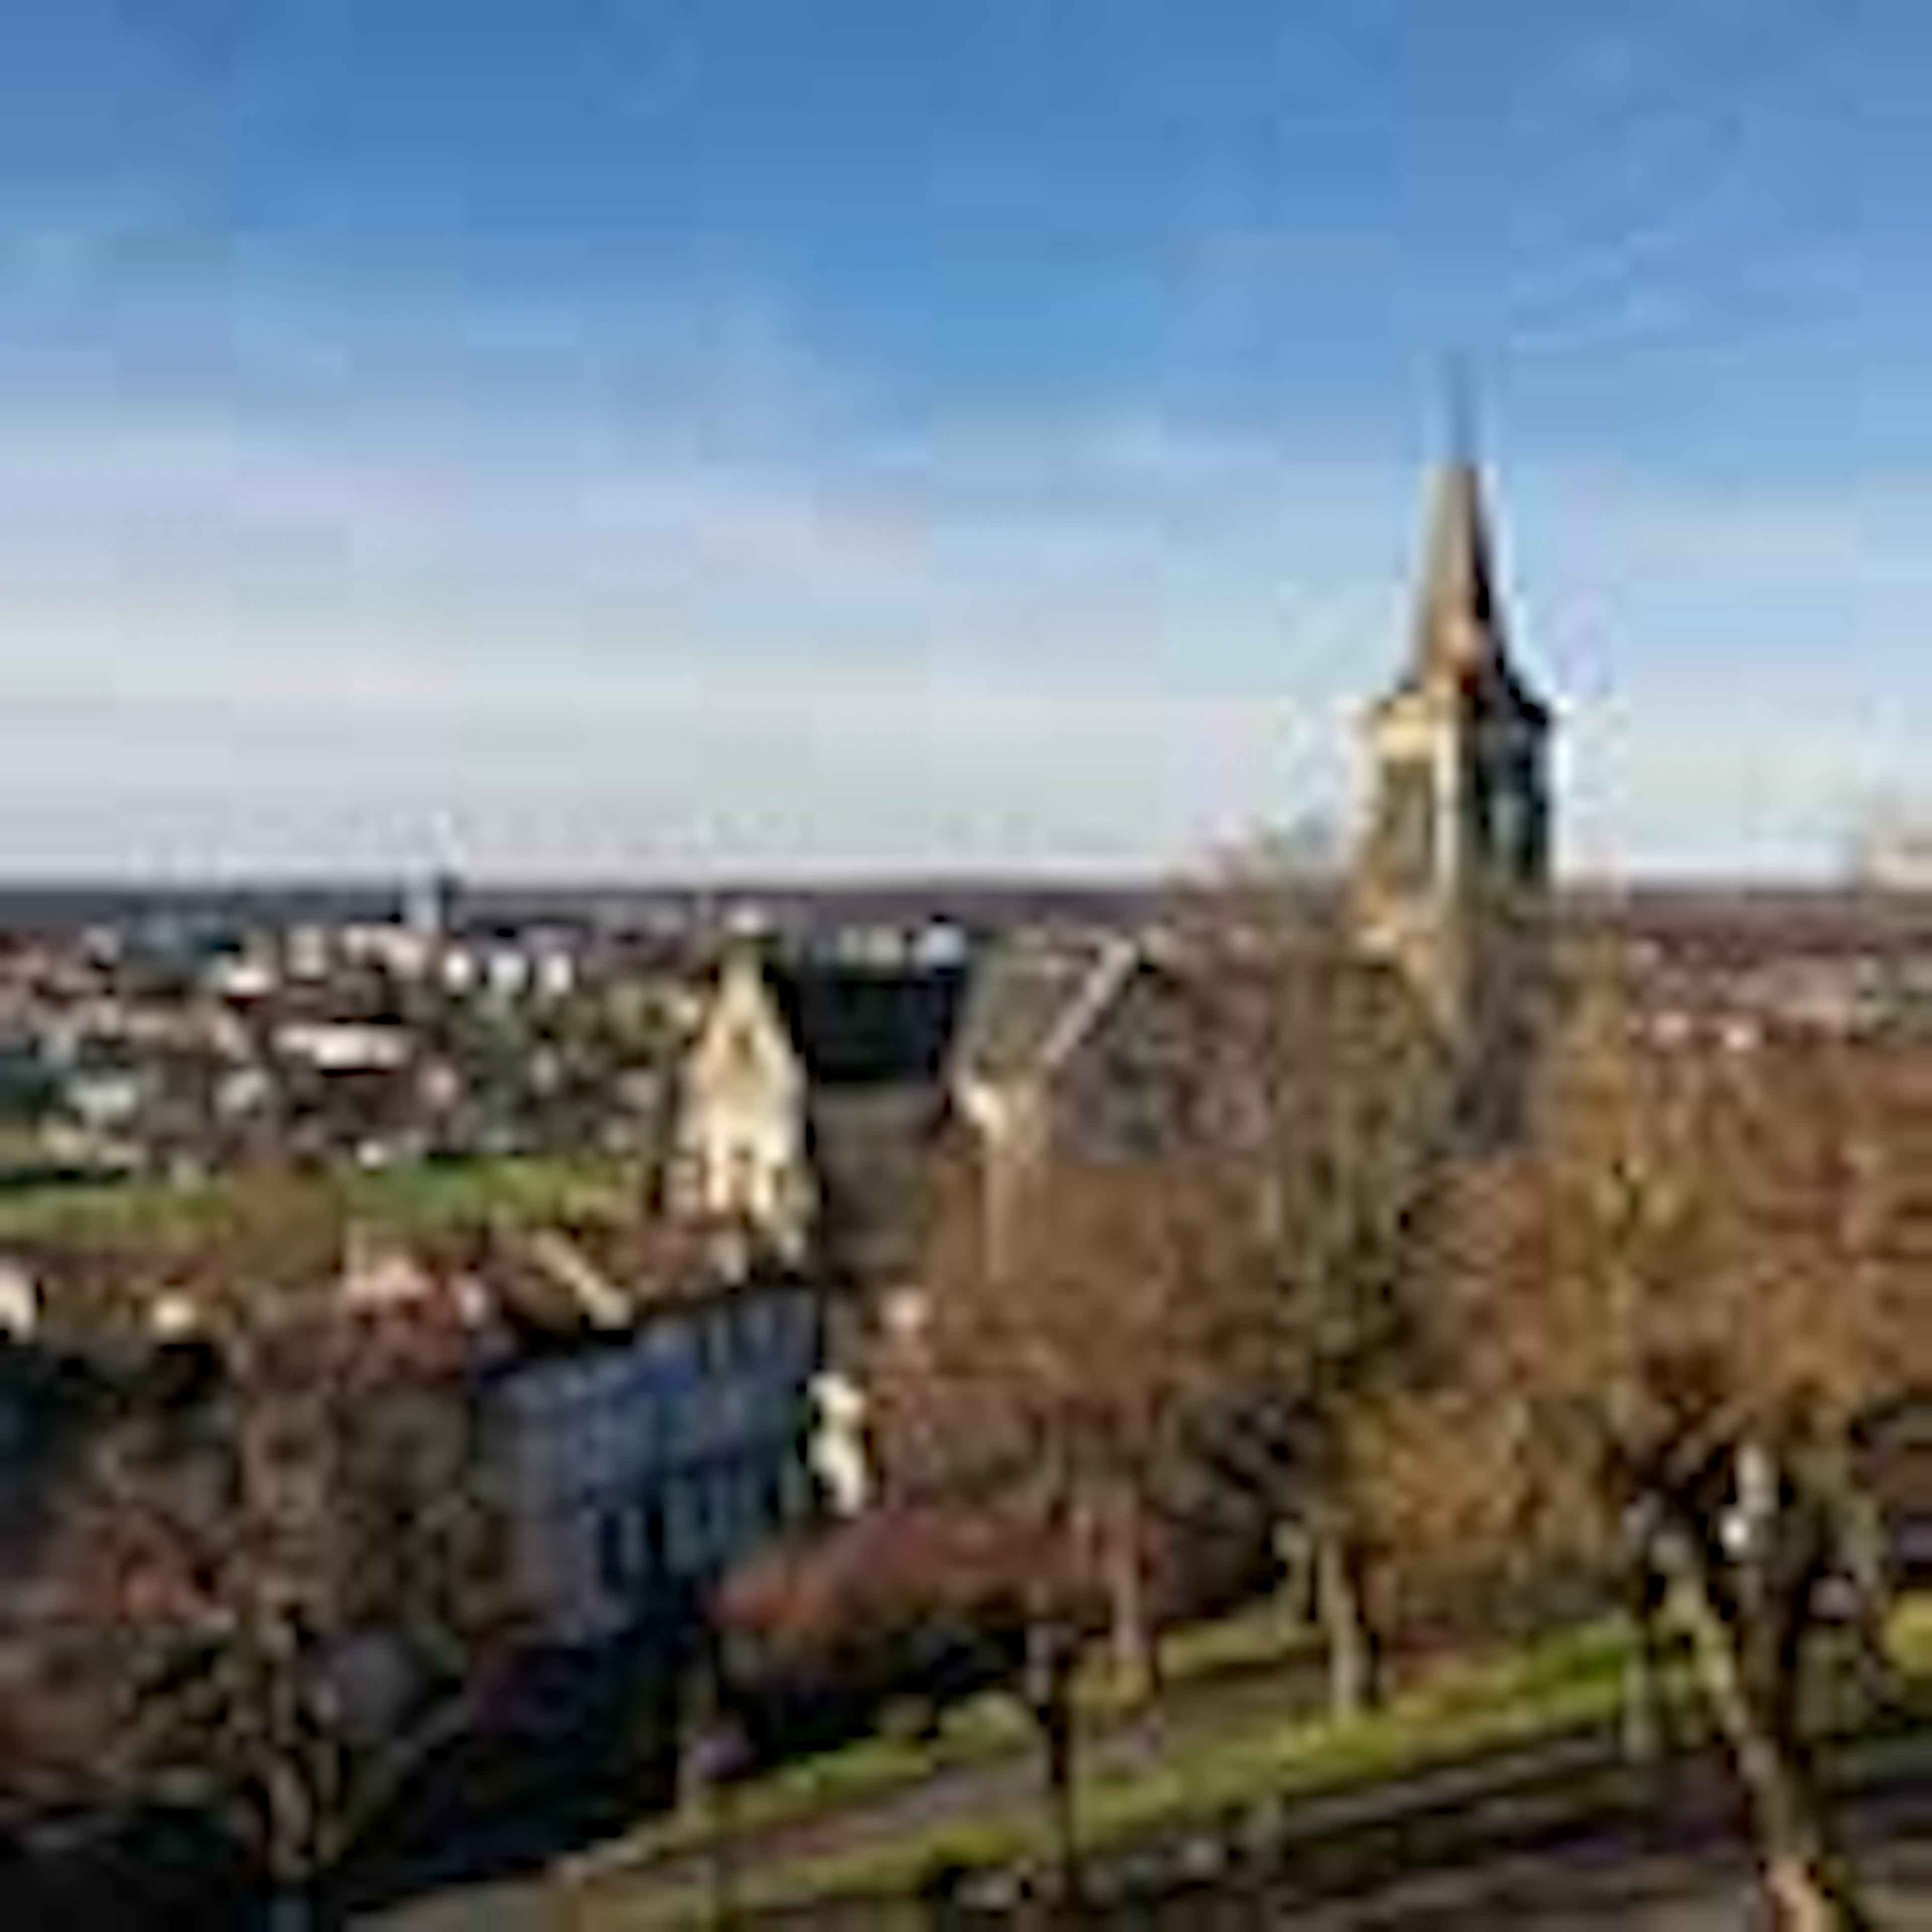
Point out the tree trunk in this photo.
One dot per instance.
(1641, 1728)
(290, 1846)
(1134, 1643)
(722, 1832)
(1643, 1709)
(292, 1910)
(1049, 1691)
(1343, 1612)
(292, 1806)
(1807, 1891)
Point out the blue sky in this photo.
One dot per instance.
(678, 436)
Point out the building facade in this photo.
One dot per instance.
(635, 1467)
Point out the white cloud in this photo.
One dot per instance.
(235, 638)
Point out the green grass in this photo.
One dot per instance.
(23, 1153)
(1462, 1710)
(422, 1197)
(530, 1187)
(1459, 1711)
(1558, 1687)
(1909, 1638)
(1257, 1638)
(987, 1727)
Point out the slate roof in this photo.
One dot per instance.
(856, 1026)
(876, 1042)
(1023, 994)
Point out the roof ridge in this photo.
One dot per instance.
(1119, 955)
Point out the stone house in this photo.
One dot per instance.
(811, 1099)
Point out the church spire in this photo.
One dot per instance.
(1460, 642)
(1458, 621)
(1457, 844)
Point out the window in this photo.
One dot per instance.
(741, 1189)
(798, 1492)
(617, 1549)
(1406, 825)
(742, 1049)
(704, 1517)
(654, 1535)
(667, 1345)
(631, 1551)
(687, 1180)
(789, 1323)
(1507, 801)
(754, 1327)
(755, 1513)
(720, 1513)
(720, 1332)
(683, 1531)
(748, 1513)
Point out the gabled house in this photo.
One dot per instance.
(810, 1099)
(876, 1044)
(738, 1151)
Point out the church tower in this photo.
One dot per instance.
(1452, 877)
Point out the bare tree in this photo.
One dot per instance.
(1073, 1376)
(1671, 1308)
(245, 1521)
(996, 1581)
(1202, 1294)
(1322, 1115)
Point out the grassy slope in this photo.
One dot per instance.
(1562, 1687)
(425, 1196)
(986, 1727)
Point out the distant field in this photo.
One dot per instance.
(426, 1196)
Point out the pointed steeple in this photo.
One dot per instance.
(1460, 642)
(1458, 625)
(1458, 837)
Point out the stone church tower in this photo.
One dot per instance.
(1452, 877)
